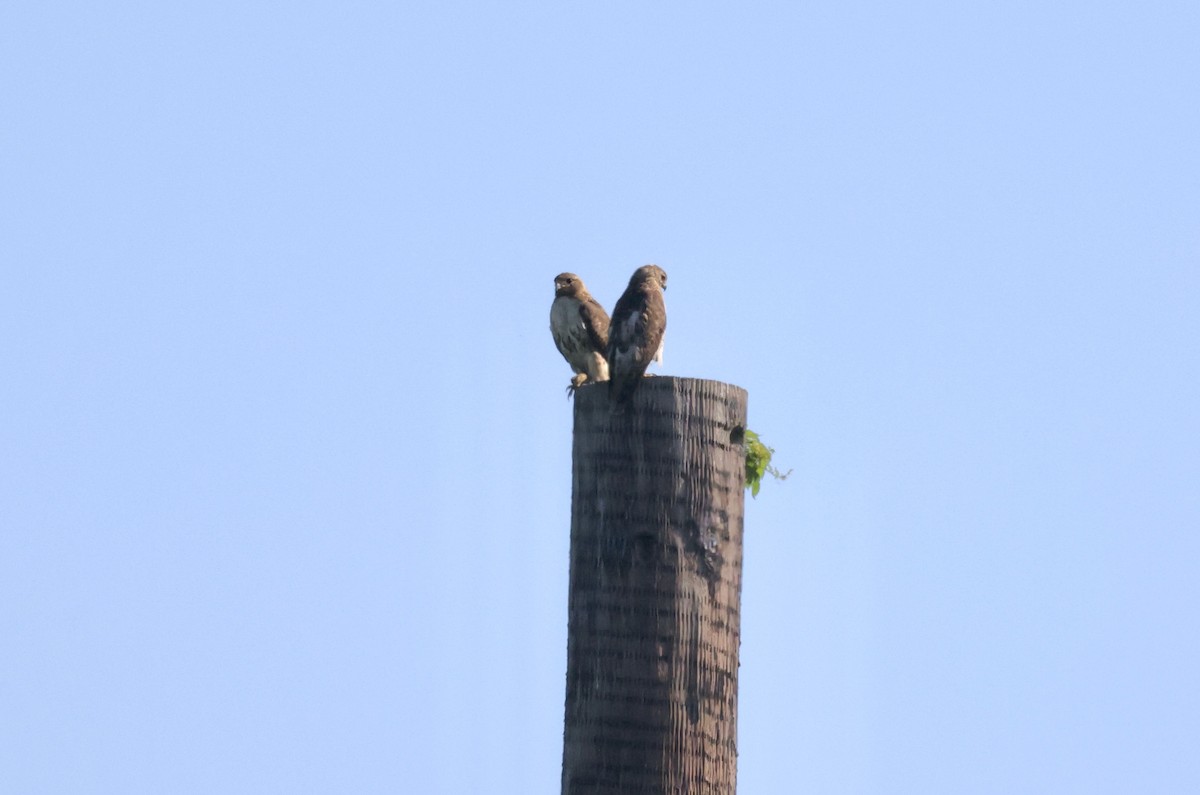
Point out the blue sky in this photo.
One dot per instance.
(285, 479)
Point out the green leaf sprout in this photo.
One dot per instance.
(758, 462)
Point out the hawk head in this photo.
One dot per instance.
(648, 275)
(569, 285)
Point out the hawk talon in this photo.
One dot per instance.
(579, 380)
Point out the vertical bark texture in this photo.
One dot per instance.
(655, 590)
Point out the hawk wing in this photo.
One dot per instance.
(635, 338)
(595, 321)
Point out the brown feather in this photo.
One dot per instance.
(595, 320)
(636, 331)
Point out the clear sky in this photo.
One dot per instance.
(284, 447)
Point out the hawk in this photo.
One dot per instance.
(580, 329)
(636, 335)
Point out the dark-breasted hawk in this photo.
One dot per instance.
(580, 329)
(635, 337)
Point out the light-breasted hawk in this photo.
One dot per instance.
(635, 337)
(580, 329)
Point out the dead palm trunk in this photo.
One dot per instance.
(655, 590)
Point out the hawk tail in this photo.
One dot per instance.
(620, 391)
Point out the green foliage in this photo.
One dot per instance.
(758, 462)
